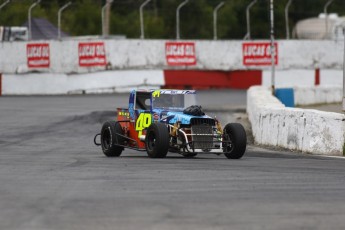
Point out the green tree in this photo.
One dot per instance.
(196, 18)
(86, 19)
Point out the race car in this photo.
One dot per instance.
(165, 120)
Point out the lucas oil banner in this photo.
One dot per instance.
(38, 55)
(258, 53)
(180, 53)
(91, 54)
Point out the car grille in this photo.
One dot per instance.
(202, 136)
(200, 121)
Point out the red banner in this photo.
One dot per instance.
(258, 53)
(180, 53)
(92, 54)
(38, 55)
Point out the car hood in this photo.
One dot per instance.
(172, 117)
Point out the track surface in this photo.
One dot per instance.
(53, 177)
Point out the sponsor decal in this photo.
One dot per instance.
(180, 53)
(144, 121)
(258, 53)
(91, 54)
(156, 93)
(125, 114)
(177, 92)
(38, 55)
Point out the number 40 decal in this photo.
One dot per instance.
(144, 121)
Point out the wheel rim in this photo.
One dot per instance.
(106, 139)
(151, 141)
(229, 146)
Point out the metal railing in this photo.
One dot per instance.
(326, 31)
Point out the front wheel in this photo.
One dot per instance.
(110, 139)
(157, 140)
(234, 141)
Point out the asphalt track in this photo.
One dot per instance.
(53, 177)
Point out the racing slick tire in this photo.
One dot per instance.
(157, 140)
(110, 140)
(236, 135)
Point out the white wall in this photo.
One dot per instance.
(123, 80)
(305, 130)
(150, 54)
(100, 82)
(303, 77)
(318, 95)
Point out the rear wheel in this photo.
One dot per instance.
(235, 141)
(157, 140)
(110, 139)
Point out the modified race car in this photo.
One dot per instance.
(162, 121)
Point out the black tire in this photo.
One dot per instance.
(236, 135)
(110, 140)
(157, 140)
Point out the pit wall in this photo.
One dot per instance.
(318, 95)
(123, 80)
(219, 64)
(100, 82)
(305, 130)
(129, 54)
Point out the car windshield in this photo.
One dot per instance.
(173, 101)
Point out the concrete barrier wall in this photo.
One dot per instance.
(318, 95)
(305, 130)
(100, 82)
(150, 54)
(303, 77)
(115, 80)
